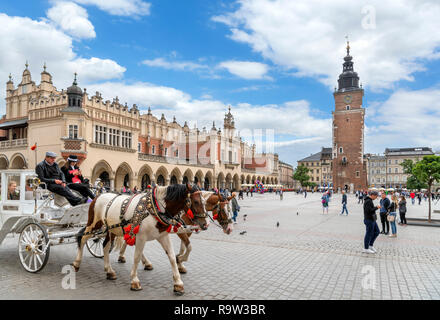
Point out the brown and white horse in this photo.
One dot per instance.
(213, 202)
(105, 211)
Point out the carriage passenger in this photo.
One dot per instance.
(49, 172)
(74, 178)
(13, 193)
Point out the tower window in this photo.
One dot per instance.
(340, 150)
(347, 107)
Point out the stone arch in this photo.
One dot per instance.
(123, 176)
(175, 176)
(188, 176)
(198, 177)
(229, 182)
(259, 178)
(248, 179)
(4, 163)
(221, 181)
(208, 181)
(162, 177)
(236, 182)
(145, 177)
(242, 179)
(276, 180)
(253, 180)
(18, 162)
(103, 171)
(263, 180)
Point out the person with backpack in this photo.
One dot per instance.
(324, 201)
(402, 211)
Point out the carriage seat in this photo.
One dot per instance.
(60, 201)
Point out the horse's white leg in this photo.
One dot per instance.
(111, 274)
(121, 258)
(135, 283)
(80, 250)
(165, 241)
(147, 264)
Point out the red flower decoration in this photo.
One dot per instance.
(190, 214)
(131, 241)
(127, 228)
(215, 216)
(169, 228)
(136, 229)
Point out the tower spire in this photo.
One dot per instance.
(74, 80)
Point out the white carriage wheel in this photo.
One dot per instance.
(33, 247)
(96, 247)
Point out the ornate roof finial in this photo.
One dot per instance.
(74, 80)
(27, 65)
(174, 119)
(44, 67)
(149, 110)
(348, 45)
(10, 77)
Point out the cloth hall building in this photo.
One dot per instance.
(121, 146)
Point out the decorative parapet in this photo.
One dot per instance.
(171, 160)
(17, 143)
(113, 148)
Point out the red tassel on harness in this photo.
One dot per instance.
(127, 229)
(131, 241)
(136, 229)
(215, 216)
(126, 236)
(175, 228)
(169, 228)
(190, 214)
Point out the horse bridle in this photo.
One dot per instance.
(221, 210)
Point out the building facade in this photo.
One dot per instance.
(320, 167)
(349, 168)
(285, 174)
(395, 177)
(121, 146)
(376, 165)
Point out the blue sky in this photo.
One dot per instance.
(275, 62)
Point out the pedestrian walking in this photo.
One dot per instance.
(413, 197)
(324, 201)
(305, 193)
(392, 213)
(384, 205)
(419, 197)
(344, 203)
(235, 207)
(240, 194)
(281, 194)
(361, 197)
(370, 217)
(402, 210)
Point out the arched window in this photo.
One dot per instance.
(347, 107)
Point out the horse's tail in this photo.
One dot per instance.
(89, 221)
(119, 242)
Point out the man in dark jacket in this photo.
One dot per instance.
(344, 203)
(384, 205)
(370, 217)
(74, 178)
(49, 172)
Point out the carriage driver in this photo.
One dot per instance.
(49, 172)
(74, 178)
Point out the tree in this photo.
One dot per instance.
(301, 175)
(428, 171)
(412, 181)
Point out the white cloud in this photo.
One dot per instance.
(120, 7)
(174, 65)
(246, 69)
(72, 19)
(407, 118)
(307, 36)
(39, 42)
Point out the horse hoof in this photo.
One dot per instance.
(111, 276)
(182, 269)
(75, 267)
(135, 287)
(121, 260)
(178, 290)
(148, 267)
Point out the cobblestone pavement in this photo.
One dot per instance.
(309, 256)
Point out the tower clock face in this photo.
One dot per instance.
(348, 98)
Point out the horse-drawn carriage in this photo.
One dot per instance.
(42, 219)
